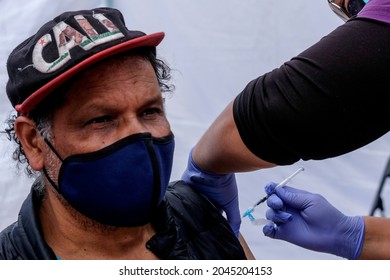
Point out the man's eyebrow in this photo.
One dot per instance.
(154, 100)
(99, 105)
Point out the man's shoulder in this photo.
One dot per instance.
(182, 194)
(7, 251)
(192, 207)
(203, 225)
(23, 239)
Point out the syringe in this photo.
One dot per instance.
(248, 213)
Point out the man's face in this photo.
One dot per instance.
(109, 102)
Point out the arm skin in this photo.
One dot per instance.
(376, 244)
(221, 150)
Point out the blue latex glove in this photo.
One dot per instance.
(221, 190)
(310, 221)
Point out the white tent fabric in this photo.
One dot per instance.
(215, 48)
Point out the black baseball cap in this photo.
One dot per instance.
(63, 47)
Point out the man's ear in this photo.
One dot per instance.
(31, 141)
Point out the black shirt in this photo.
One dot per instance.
(331, 99)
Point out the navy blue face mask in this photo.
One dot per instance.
(121, 184)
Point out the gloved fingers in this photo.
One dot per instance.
(293, 190)
(278, 216)
(275, 202)
(293, 197)
(270, 230)
(270, 187)
(284, 195)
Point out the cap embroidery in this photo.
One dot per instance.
(66, 38)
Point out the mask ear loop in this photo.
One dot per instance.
(52, 148)
(50, 180)
(44, 169)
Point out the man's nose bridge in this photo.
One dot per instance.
(132, 125)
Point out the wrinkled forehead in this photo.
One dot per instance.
(123, 66)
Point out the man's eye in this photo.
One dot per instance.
(151, 112)
(101, 119)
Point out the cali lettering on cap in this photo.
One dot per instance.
(67, 38)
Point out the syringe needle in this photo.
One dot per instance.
(281, 184)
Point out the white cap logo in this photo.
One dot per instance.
(67, 37)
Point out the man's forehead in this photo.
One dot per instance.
(126, 64)
(122, 73)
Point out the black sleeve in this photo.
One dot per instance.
(329, 100)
